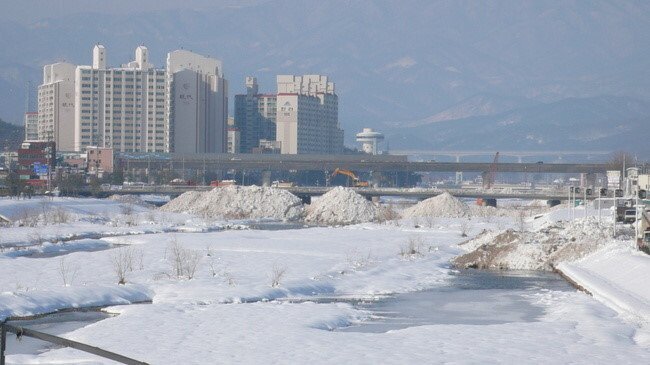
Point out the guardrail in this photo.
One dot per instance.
(21, 331)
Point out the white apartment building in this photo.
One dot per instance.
(307, 115)
(121, 108)
(234, 138)
(56, 105)
(31, 126)
(197, 103)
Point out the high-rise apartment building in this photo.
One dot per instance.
(255, 115)
(56, 105)
(121, 108)
(31, 126)
(307, 115)
(197, 103)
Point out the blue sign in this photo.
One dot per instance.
(40, 169)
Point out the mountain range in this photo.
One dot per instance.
(419, 70)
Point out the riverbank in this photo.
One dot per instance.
(218, 297)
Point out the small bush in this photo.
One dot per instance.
(465, 226)
(122, 260)
(277, 273)
(387, 213)
(184, 261)
(67, 272)
(60, 216)
(412, 248)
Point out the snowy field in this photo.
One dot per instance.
(208, 295)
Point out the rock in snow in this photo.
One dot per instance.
(443, 205)
(341, 206)
(239, 202)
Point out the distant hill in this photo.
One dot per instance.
(394, 62)
(606, 123)
(11, 136)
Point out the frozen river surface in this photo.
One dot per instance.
(471, 297)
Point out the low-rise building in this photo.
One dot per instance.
(36, 161)
(100, 160)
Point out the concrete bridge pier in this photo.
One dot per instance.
(266, 178)
(459, 174)
(375, 179)
(306, 199)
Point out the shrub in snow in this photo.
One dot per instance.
(183, 261)
(412, 248)
(277, 273)
(387, 213)
(465, 225)
(67, 272)
(122, 261)
(342, 206)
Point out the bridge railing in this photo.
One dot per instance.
(21, 331)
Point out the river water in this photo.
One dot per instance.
(472, 297)
(469, 297)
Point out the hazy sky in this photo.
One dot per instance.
(26, 11)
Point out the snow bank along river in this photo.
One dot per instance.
(237, 307)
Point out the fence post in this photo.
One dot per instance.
(3, 343)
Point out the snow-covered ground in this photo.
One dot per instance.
(226, 313)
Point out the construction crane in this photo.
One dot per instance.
(488, 180)
(356, 182)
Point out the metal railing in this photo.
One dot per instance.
(21, 331)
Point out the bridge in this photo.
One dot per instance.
(306, 192)
(359, 163)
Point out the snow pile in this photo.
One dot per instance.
(537, 250)
(342, 206)
(129, 199)
(443, 205)
(487, 211)
(238, 202)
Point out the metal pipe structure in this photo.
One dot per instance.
(20, 331)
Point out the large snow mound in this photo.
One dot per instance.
(541, 249)
(342, 206)
(238, 202)
(443, 205)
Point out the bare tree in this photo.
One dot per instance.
(619, 159)
(46, 207)
(184, 261)
(465, 225)
(122, 260)
(127, 212)
(67, 272)
(60, 216)
(277, 273)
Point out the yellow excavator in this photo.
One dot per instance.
(356, 182)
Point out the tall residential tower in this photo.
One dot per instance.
(56, 105)
(197, 103)
(307, 115)
(121, 108)
(255, 115)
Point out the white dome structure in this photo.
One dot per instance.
(369, 140)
